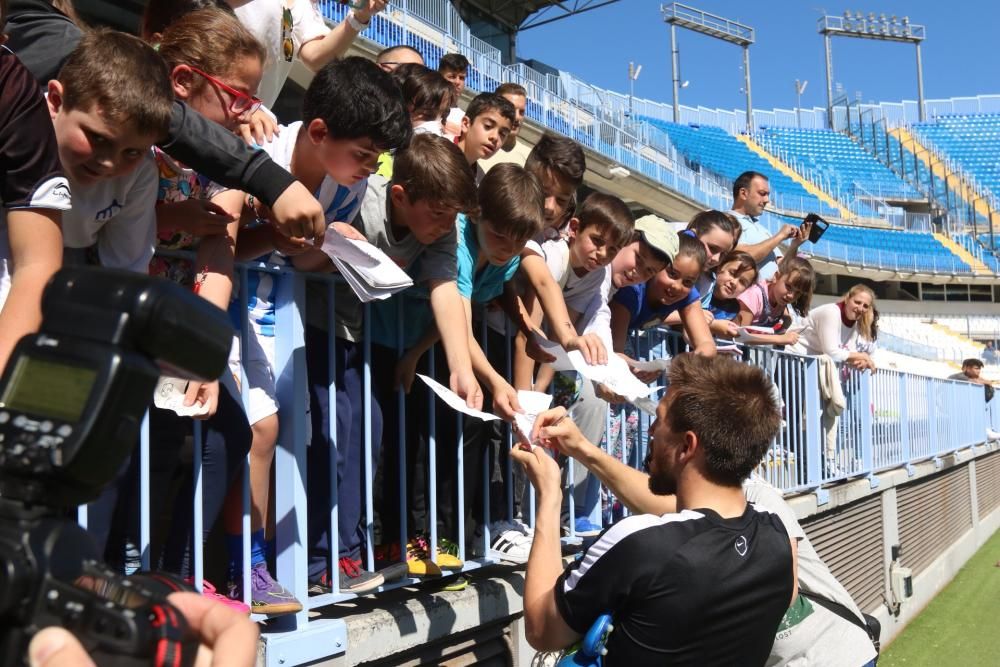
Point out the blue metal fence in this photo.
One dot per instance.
(892, 419)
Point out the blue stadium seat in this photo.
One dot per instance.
(842, 161)
(971, 140)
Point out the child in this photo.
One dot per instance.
(516, 94)
(736, 273)
(216, 66)
(111, 102)
(410, 218)
(455, 68)
(484, 129)
(719, 232)
(489, 248)
(351, 113)
(33, 195)
(671, 291)
(427, 96)
(765, 303)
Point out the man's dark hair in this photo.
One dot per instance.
(610, 214)
(511, 89)
(356, 98)
(384, 55)
(424, 91)
(511, 201)
(732, 408)
(434, 170)
(743, 181)
(484, 102)
(453, 62)
(559, 154)
(972, 362)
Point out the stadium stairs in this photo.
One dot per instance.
(956, 184)
(808, 186)
(977, 265)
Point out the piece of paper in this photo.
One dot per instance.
(369, 272)
(659, 365)
(647, 405)
(565, 361)
(169, 395)
(752, 335)
(533, 403)
(615, 374)
(455, 401)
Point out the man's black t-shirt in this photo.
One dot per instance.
(684, 589)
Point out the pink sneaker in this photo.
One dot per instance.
(208, 590)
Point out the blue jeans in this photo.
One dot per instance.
(349, 397)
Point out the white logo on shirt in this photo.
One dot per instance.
(741, 545)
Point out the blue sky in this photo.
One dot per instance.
(959, 54)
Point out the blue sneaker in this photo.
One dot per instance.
(584, 528)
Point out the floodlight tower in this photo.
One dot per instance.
(880, 28)
(719, 27)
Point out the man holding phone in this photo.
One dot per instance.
(751, 195)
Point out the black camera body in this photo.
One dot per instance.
(72, 399)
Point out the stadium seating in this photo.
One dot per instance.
(715, 150)
(972, 141)
(841, 161)
(928, 332)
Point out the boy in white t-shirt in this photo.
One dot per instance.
(332, 151)
(111, 103)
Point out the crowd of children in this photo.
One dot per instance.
(137, 150)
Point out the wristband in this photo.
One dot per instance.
(356, 25)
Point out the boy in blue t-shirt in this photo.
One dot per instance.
(488, 256)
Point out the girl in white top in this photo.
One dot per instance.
(842, 330)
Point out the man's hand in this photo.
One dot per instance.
(591, 347)
(555, 430)
(541, 469)
(228, 639)
(788, 232)
(259, 129)
(297, 214)
(369, 9)
(464, 384)
(203, 393)
(505, 403)
(287, 246)
(804, 230)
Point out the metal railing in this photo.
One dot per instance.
(892, 419)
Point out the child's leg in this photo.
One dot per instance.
(225, 443)
(262, 414)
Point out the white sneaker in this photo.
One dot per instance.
(510, 544)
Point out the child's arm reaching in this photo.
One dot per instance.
(697, 329)
(561, 326)
(446, 303)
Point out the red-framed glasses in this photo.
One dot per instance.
(242, 104)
